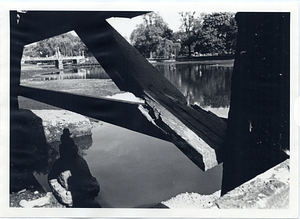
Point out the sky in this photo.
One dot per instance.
(126, 25)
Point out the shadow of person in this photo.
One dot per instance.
(70, 178)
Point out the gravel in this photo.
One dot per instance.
(192, 200)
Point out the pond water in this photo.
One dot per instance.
(207, 86)
(136, 170)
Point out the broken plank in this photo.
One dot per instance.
(182, 136)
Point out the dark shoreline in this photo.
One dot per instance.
(201, 59)
(229, 62)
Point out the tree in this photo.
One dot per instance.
(69, 45)
(31, 50)
(167, 49)
(149, 37)
(218, 34)
(190, 29)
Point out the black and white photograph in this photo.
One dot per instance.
(174, 110)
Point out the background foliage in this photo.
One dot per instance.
(153, 38)
(69, 45)
(206, 34)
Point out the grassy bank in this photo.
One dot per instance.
(87, 87)
(29, 71)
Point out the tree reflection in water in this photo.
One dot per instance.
(204, 85)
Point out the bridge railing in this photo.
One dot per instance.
(51, 58)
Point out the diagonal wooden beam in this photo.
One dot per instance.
(188, 128)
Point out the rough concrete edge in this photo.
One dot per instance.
(269, 190)
(78, 124)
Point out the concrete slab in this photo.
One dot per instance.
(54, 121)
(269, 190)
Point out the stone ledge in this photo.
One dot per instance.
(269, 190)
(54, 121)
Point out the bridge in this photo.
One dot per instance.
(58, 59)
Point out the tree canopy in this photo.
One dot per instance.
(69, 45)
(153, 37)
(218, 34)
(207, 34)
(190, 29)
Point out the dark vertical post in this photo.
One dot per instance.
(16, 50)
(258, 122)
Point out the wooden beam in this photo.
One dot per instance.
(121, 113)
(39, 25)
(258, 123)
(202, 132)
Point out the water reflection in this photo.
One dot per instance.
(204, 85)
(75, 73)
